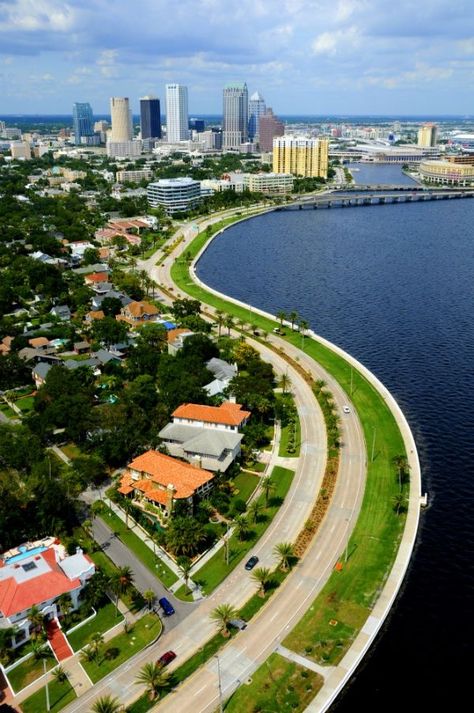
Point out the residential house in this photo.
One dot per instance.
(94, 315)
(40, 343)
(40, 372)
(207, 436)
(5, 346)
(138, 313)
(62, 312)
(37, 575)
(81, 347)
(162, 480)
(223, 375)
(94, 278)
(175, 338)
(98, 298)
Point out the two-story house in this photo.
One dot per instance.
(208, 436)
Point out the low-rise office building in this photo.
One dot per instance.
(176, 195)
(269, 182)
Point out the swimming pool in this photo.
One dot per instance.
(24, 553)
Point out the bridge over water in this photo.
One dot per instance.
(367, 198)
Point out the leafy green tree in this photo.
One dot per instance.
(185, 307)
(185, 536)
(111, 306)
(109, 331)
(149, 596)
(91, 256)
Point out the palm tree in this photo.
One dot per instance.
(293, 317)
(40, 650)
(284, 382)
(87, 654)
(222, 615)
(6, 636)
(263, 576)
(219, 320)
(65, 602)
(285, 552)
(149, 596)
(254, 510)
(154, 679)
(229, 323)
(36, 618)
(96, 640)
(87, 527)
(268, 486)
(401, 463)
(107, 704)
(241, 527)
(399, 502)
(281, 316)
(185, 566)
(121, 581)
(60, 674)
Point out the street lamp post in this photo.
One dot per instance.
(221, 709)
(48, 707)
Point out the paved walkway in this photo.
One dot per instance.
(303, 661)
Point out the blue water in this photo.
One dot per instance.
(393, 285)
(26, 553)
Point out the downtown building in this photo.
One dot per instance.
(175, 195)
(83, 123)
(235, 116)
(177, 119)
(257, 108)
(269, 128)
(150, 118)
(120, 143)
(307, 158)
(427, 135)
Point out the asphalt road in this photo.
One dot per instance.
(143, 578)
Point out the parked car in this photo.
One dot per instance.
(238, 624)
(250, 564)
(167, 658)
(346, 409)
(167, 607)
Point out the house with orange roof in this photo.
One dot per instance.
(95, 277)
(175, 339)
(162, 480)
(38, 342)
(94, 315)
(5, 346)
(38, 574)
(138, 313)
(229, 416)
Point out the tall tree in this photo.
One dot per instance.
(222, 615)
(155, 680)
(263, 576)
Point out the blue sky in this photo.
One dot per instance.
(304, 56)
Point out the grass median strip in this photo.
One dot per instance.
(215, 570)
(278, 685)
(139, 548)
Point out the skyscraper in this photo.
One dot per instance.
(301, 157)
(177, 120)
(122, 129)
(235, 115)
(150, 118)
(269, 127)
(256, 110)
(82, 121)
(427, 135)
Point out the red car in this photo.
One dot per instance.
(167, 658)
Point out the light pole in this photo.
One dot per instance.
(221, 709)
(47, 686)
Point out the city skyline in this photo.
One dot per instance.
(307, 57)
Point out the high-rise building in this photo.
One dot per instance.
(269, 127)
(301, 157)
(177, 119)
(150, 118)
(235, 116)
(122, 128)
(427, 135)
(82, 121)
(257, 108)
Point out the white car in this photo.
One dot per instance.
(346, 409)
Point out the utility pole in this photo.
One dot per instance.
(221, 709)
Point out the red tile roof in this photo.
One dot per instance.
(97, 277)
(162, 470)
(18, 596)
(228, 413)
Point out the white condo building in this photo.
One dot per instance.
(177, 128)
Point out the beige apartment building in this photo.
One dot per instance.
(301, 157)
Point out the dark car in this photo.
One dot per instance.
(167, 658)
(238, 624)
(167, 607)
(250, 564)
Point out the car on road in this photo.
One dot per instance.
(167, 658)
(250, 564)
(346, 409)
(238, 624)
(167, 607)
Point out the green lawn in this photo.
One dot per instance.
(245, 484)
(107, 617)
(60, 694)
(278, 685)
(71, 450)
(123, 646)
(216, 569)
(7, 411)
(26, 404)
(138, 547)
(28, 671)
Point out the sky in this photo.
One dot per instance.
(304, 56)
